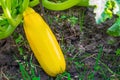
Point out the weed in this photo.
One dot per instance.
(19, 42)
(118, 52)
(63, 17)
(73, 20)
(81, 21)
(64, 75)
(96, 66)
(26, 68)
(111, 41)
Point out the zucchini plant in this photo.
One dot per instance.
(40, 37)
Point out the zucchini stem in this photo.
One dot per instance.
(64, 5)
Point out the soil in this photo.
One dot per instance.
(86, 42)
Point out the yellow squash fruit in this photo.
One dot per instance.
(43, 43)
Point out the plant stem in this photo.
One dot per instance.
(34, 3)
(60, 6)
(24, 5)
(7, 13)
(7, 32)
(83, 3)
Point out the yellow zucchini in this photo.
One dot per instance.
(43, 43)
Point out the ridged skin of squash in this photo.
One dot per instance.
(43, 43)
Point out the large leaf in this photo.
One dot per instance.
(114, 30)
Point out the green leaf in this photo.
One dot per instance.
(25, 74)
(118, 52)
(3, 21)
(114, 30)
(14, 10)
(3, 24)
(36, 78)
(118, 1)
(15, 3)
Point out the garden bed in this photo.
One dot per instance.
(89, 51)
